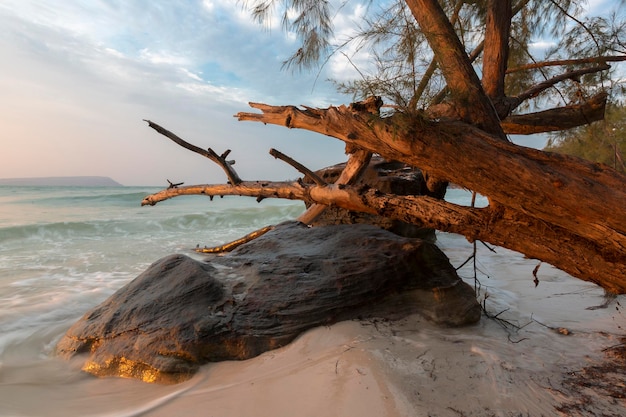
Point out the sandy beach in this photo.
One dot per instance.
(535, 359)
(406, 368)
(552, 350)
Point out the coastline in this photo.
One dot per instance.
(405, 368)
(74, 181)
(67, 250)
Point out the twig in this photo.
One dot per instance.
(488, 247)
(227, 247)
(174, 185)
(536, 280)
(358, 161)
(297, 165)
(233, 178)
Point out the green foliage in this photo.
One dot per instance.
(402, 68)
(603, 141)
(404, 71)
(309, 20)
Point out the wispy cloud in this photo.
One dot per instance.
(88, 72)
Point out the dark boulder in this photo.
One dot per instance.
(181, 313)
(388, 177)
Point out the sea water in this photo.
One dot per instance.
(63, 250)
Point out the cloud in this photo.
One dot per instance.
(82, 76)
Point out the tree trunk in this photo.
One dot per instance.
(555, 208)
(535, 197)
(471, 102)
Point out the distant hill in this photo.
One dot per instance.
(62, 181)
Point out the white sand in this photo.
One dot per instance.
(377, 368)
(405, 368)
(412, 368)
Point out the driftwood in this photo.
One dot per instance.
(535, 196)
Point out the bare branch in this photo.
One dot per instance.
(174, 185)
(539, 88)
(494, 225)
(227, 247)
(264, 189)
(356, 165)
(437, 148)
(297, 165)
(233, 178)
(557, 119)
(590, 60)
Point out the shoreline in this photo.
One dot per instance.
(409, 368)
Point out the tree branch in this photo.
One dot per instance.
(539, 88)
(461, 79)
(557, 119)
(354, 169)
(503, 227)
(474, 159)
(496, 52)
(233, 178)
(297, 165)
(590, 60)
(236, 243)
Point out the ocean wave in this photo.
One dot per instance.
(227, 219)
(116, 198)
(49, 231)
(220, 221)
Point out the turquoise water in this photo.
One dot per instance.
(63, 250)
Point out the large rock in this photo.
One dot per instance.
(181, 313)
(389, 177)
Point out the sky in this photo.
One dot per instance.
(78, 78)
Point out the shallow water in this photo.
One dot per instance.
(66, 249)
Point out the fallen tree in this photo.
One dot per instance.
(562, 210)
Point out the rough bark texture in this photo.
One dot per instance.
(535, 196)
(496, 52)
(388, 177)
(181, 313)
(471, 103)
(554, 120)
(556, 208)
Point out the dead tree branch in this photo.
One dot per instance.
(227, 247)
(498, 226)
(233, 178)
(552, 185)
(297, 165)
(563, 62)
(557, 119)
(357, 162)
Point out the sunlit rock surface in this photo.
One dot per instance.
(181, 313)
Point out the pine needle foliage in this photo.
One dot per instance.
(401, 67)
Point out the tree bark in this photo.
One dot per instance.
(533, 194)
(560, 118)
(496, 54)
(470, 101)
(556, 208)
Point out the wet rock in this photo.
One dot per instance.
(181, 312)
